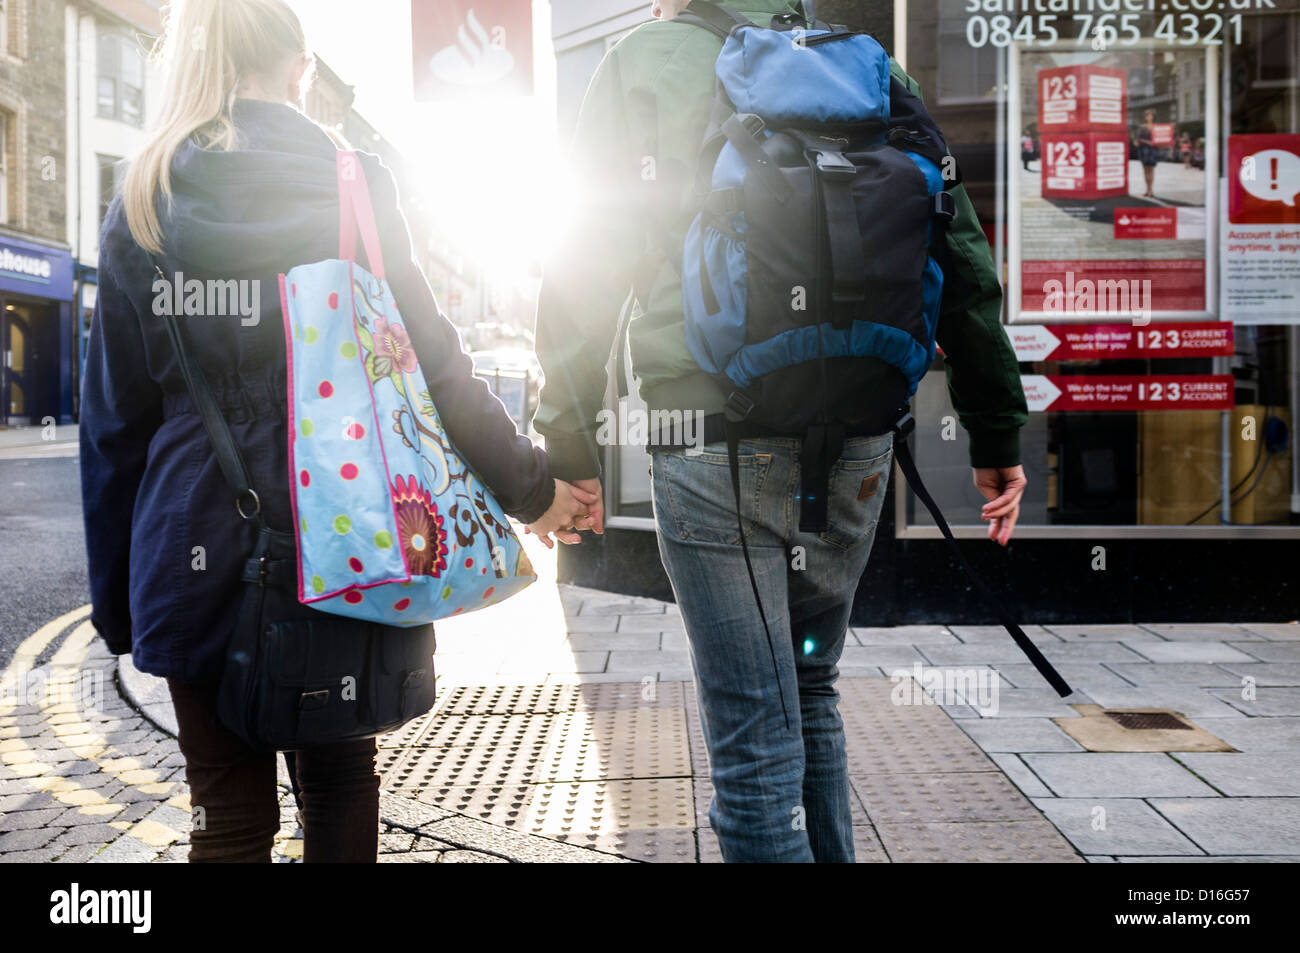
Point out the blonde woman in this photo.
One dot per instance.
(236, 183)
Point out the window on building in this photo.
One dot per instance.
(110, 180)
(120, 84)
(6, 164)
(11, 27)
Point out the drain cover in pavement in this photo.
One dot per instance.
(1148, 720)
(1143, 729)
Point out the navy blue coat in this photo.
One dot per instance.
(151, 489)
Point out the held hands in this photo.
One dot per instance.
(576, 506)
(1002, 487)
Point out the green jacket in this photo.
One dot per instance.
(638, 135)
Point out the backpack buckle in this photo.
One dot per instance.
(739, 406)
(904, 427)
(945, 207)
(834, 163)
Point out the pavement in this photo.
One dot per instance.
(567, 731)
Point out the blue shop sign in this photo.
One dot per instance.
(37, 270)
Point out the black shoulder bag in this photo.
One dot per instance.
(295, 676)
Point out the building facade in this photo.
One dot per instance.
(1100, 152)
(37, 334)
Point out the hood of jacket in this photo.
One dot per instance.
(258, 208)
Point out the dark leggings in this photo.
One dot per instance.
(234, 799)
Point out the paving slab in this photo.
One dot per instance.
(1190, 632)
(1252, 735)
(1216, 859)
(1268, 702)
(1080, 651)
(976, 653)
(1265, 825)
(1018, 734)
(994, 633)
(1198, 674)
(1080, 675)
(904, 635)
(1191, 702)
(1282, 631)
(1031, 703)
(1270, 651)
(1246, 775)
(1021, 776)
(1116, 826)
(1102, 633)
(1191, 652)
(613, 641)
(1101, 774)
(647, 622)
(1273, 674)
(886, 657)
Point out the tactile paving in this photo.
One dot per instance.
(957, 796)
(673, 846)
(622, 767)
(467, 765)
(977, 842)
(529, 699)
(451, 730)
(578, 808)
(618, 743)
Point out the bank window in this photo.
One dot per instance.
(966, 73)
(110, 180)
(120, 84)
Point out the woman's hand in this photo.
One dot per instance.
(569, 511)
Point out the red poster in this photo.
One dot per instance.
(1090, 342)
(1085, 165)
(1146, 222)
(1263, 176)
(472, 47)
(1082, 98)
(1162, 134)
(1122, 287)
(1137, 392)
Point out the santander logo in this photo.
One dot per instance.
(477, 58)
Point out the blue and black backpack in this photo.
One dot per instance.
(810, 286)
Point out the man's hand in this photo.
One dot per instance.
(595, 518)
(571, 507)
(1002, 487)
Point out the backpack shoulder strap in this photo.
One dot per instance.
(713, 17)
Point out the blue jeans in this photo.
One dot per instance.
(780, 793)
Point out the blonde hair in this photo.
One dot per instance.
(206, 48)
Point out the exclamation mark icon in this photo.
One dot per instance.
(1273, 183)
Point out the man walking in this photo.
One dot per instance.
(765, 667)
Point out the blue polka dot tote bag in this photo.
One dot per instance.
(393, 526)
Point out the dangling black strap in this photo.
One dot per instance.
(822, 446)
(738, 408)
(905, 462)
